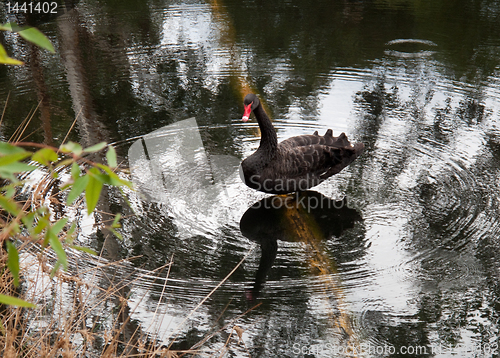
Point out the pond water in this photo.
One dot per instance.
(398, 255)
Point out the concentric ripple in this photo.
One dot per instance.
(414, 210)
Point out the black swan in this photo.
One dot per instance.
(297, 163)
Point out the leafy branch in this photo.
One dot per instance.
(26, 221)
(28, 33)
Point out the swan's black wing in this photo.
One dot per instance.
(315, 156)
(312, 139)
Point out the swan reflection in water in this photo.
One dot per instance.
(307, 217)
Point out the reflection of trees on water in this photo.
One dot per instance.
(452, 218)
(127, 83)
(290, 48)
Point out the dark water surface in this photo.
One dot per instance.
(397, 256)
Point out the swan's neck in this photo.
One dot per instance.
(268, 138)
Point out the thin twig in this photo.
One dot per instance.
(4, 108)
(210, 294)
(200, 343)
(69, 131)
(29, 135)
(28, 123)
(161, 296)
(20, 126)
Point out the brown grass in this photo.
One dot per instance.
(87, 313)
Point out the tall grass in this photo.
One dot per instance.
(86, 312)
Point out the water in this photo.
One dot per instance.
(395, 256)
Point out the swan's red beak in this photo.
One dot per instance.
(246, 114)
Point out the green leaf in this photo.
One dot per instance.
(59, 225)
(112, 178)
(10, 164)
(29, 220)
(30, 34)
(116, 225)
(42, 211)
(35, 36)
(45, 156)
(58, 248)
(54, 270)
(13, 261)
(16, 167)
(103, 178)
(116, 233)
(93, 189)
(43, 222)
(13, 158)
(9, 171)
(71, 229)
(111, 157)
(11, 229)
(77, 188)
(96, 147)
(10, 26)
(84, 249)
(10, 189)
(7, 148)
(71, 147)
(116, 221)
(9, 205)
(14, 301)
(75, 171)
(6, 60)
(64, 162)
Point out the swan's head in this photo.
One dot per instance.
(250, 102)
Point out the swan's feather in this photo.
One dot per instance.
(297, 163)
